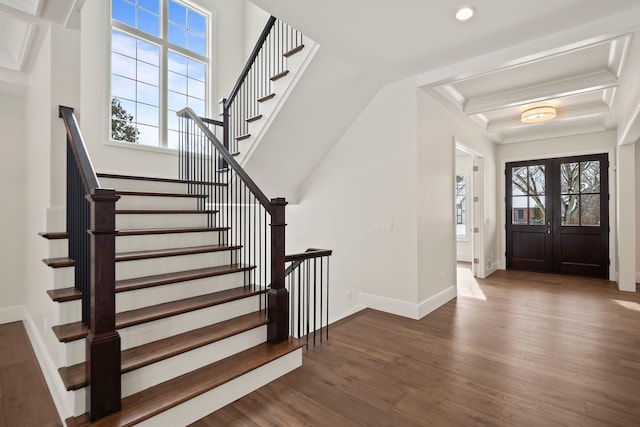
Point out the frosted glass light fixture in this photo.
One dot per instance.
(464, 13)
(538, 114)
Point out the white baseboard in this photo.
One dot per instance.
(637, 277)
(47, 366)
(404, 308)
(11, 314)
(435, 302)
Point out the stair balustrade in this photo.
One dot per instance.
(307, 279)
(91, 233)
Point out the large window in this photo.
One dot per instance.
(159, 65)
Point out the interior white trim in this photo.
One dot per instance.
(404, 308)
(435, 302)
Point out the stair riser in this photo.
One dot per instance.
(163, 328)
(152, 266)
(146, 221)
(140, 185)
(70, 311)
(202, 405)
(165, 241)
(156, 202)
(58, 248)
(62, 277)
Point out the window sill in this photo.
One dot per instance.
(142, 147)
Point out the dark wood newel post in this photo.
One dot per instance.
(103, 341)
(225, 123)
(278, 326)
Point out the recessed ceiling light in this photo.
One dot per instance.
(538, 114)
(464, 13)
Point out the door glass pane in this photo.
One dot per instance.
(536, 210)
(570, 209)
(569, 176)
(519, 181)
(519, 210)
(590, 208)
(590, 177)
(536, 180)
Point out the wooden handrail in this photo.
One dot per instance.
(212, 121)
(309, 253)
(228, 158)
(76, 142)
(254, 54)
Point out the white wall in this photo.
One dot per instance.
(228, 59)
(255, 19)
(626, 217)
(438, 131)
(13, 190)
(464, 166)
(365, 184)
(637, 214)
(601, 142)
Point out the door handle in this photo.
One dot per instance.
(548, 230)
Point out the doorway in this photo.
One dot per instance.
(557, 213)
(467, 191)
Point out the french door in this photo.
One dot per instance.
(558, 215)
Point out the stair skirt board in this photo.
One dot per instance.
(74, 352)
(70, 311)
(206, 403)
(164, 370)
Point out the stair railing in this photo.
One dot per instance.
(307, 279)
(246, 219)
(91, 232)
(267, 63)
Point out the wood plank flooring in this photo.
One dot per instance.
(24, 397)
(516, 349)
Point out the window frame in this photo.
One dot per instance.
(165, 47)
(463, 209)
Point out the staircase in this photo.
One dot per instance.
(193, 333)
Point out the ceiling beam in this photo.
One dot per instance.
(544, 92)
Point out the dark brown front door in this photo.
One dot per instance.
(558, 215)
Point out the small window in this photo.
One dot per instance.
(159, 65)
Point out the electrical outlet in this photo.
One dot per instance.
(348, 295)
(384, 225)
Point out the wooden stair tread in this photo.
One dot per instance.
(159, 194)
(162, 253)
(243, 137)
(74, 377)
(254, 118)
(54, 235)
(163, 211)
(293, 51)
(59, 262)
(266, 97)
(64, 294)
(145, 404)
(77, 330)
(145, 231)
(156, 280)
(279, 75)
(152, 179)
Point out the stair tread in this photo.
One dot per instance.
(54, 235)
(59, 262)
(153, 179)
(254, 118)
(163, 211)
(293, 51)
(77, 330)
(161, 253)
(243, 137)
(159, 194)
(74, 377)
(145, 404)
(144, 231)
(266, 97)
(279, 75)
(64, 294)
(157, 280)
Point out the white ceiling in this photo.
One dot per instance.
(581, 56)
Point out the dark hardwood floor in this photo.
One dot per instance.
(516, 349)
(24, 396)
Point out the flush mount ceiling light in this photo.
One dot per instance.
(538, 114)
(464, 13)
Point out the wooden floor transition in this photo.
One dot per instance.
(517, 349)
